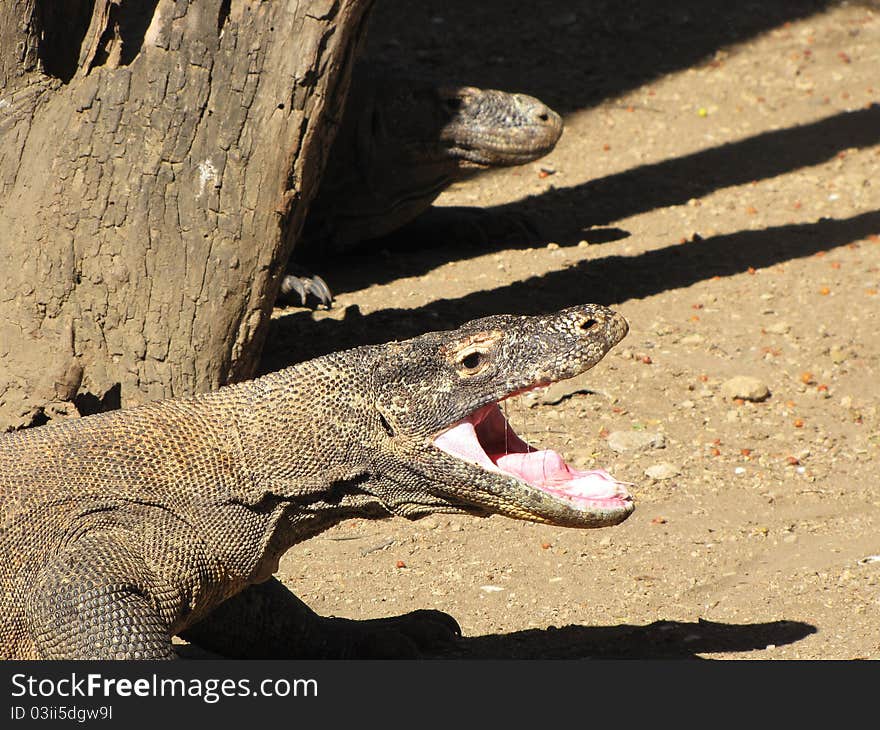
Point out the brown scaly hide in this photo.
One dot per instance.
(122, 529)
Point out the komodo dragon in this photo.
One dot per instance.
(399, 145)
(122, 529)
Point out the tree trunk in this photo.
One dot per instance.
(156, 161)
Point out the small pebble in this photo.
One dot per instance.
(663, 470)
(838, 354)
(621, 441)
(778, 328)
(745, 387)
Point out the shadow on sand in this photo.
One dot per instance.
(657, 640)
(296, 336)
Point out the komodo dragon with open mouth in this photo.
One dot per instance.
(400, 144)
(122, 529)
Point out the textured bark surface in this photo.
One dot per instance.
(156, 161)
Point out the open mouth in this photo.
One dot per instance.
(485, 438)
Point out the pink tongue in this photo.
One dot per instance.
(548, 470)
(536, 467)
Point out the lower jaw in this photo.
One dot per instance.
(575, 520)
(607, 505)
(562, 513)
(616, 511)
(600, 504)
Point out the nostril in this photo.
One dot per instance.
(588, 324)
(544, 117)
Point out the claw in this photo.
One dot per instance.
(317, 286)
(301, 286)
(291, 284)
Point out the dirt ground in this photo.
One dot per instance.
(717, 184)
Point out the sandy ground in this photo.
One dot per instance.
(717, 184)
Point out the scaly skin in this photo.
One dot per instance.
(120, 530)
(399, 145)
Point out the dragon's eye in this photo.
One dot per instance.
(475, 354)
(472, 361)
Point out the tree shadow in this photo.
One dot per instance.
(300, 336)
(563, 215)
(571, 54)
(657, 640)
(654, 40)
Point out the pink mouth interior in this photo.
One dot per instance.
(486, 438)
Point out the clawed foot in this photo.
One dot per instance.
(306, 289)
(413, 635)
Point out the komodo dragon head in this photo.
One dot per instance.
(401, 143)
(448, 446)
(479, 127)
(421, 123)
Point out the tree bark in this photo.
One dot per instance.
(156, 161)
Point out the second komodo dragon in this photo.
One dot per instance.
(122, 529)
(399, 145)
